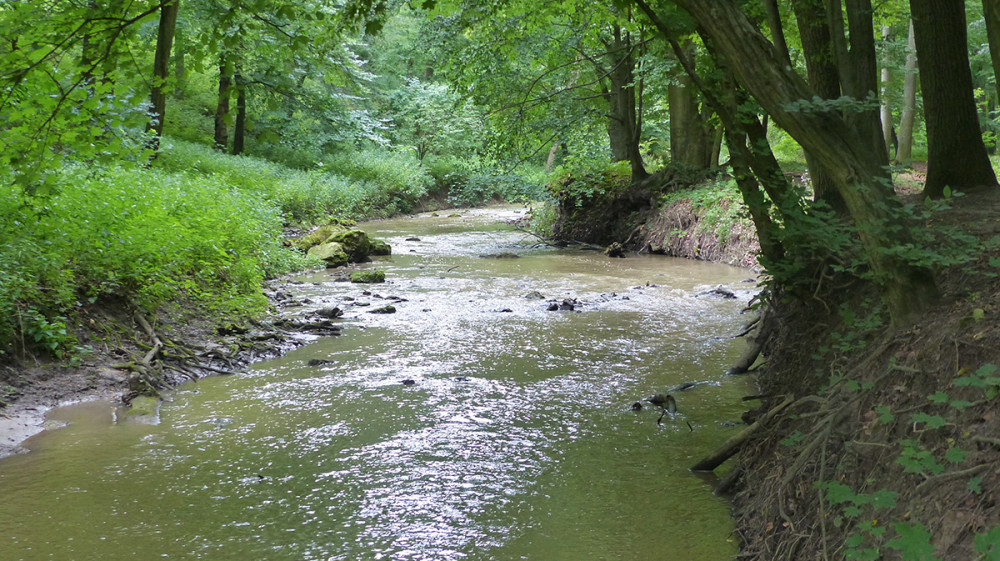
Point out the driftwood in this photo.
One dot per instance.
(733, 445)
(763, 327)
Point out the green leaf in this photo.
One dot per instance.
(974, 485)
(955, 455)
(914, 542)
(932, 421)
(837, 492)
(938, 397)
(793, 439)
(960, 404)
(884, 498)
(989, 544)
(884, 415)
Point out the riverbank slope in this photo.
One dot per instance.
(889, 447)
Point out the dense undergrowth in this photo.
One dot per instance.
(199, 226)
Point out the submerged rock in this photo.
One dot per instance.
(567, 305)
(390, 309)
(615, 250)
(368, 277)
(330, 312)
(719, 292)
(380, 248)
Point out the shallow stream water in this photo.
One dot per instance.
(515, 441)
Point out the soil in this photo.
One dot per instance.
(884, 415)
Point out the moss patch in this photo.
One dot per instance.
(368, 277)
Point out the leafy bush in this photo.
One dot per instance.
(143, 235)
(396, 178)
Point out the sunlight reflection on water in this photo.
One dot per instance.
(515, 440)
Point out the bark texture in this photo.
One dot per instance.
(956, 155)
(161, 70)
(857, 172)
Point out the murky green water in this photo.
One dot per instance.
(515, 442)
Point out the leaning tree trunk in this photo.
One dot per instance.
(857, 172)
(908, 113)
(956, 155)
(161, 70)
(777, 31)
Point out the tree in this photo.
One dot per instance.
(909, 109)
(855, 170)
(991, 15)
(161, 69)
(956, 155)
(824, 77)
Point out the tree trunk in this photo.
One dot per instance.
(887, 125)
(161, 70)
(550, 162)
(991, 13)
(857, 172)
(956, 155)
(777, 31)
(824, 77)
(222, 107)
(864, 82)
(179, 68)
(908, 113)
(239, 132)
(690, 138)
(625, 121)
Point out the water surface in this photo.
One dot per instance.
(515, 440)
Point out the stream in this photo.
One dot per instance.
(515, 439)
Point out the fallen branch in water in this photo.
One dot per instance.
(733, 445)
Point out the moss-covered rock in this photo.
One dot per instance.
(379, 247)
(144, 409)
(373, 276)
(318, 236)
(356, 244)
(331, 253)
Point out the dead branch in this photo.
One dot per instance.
(733, 445)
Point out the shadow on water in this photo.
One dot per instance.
(515, 440)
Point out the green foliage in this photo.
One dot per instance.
(143, 235)
(915, 459)
(865, 535)
(913, 542)
(717, 201)
(392, 181)
(988, 544)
